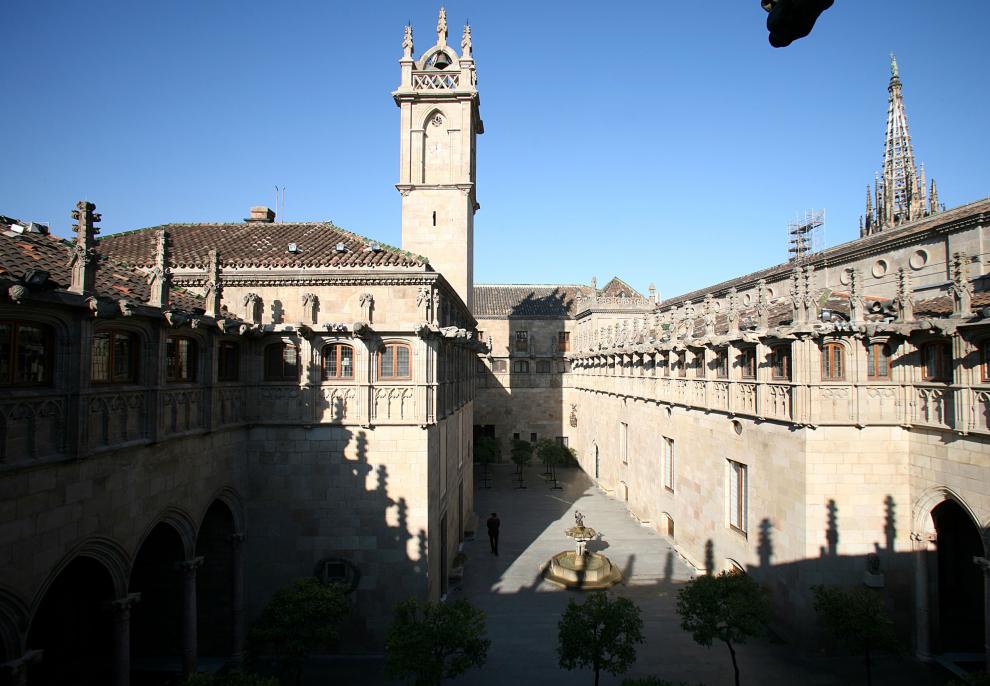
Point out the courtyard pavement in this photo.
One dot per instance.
(523, 610)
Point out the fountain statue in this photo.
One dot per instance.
(578, 568)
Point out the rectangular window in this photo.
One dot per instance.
(722, 363)
(520, 367)
(668, 464)
(522, 341)
(780, 358)
(515, 437)
(985, 361)
(624, 442)
(737, 496)
(180, 359)
(564, 341)
(532, 438)
(394, 361)
(699, 364)
(682, 363)
(543, 367)
(747, 360)
(936, 362)
(562, 441)
(228, 362)
(877, 361)
(500, 366)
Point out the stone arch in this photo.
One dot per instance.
(13, 625)
(178, 519)
(232, 499)
(932, 498)
(104, 550)
(217, 598)
(455, 63)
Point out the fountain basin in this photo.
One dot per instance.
(588, 572)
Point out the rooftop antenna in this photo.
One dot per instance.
(279, 204)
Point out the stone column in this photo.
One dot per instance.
(189, 614)
(237, 598)
(18, 669)
(922, 615)
(984, 564)
(122, 638)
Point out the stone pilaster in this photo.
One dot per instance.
(122, 638)
(237, 598)
(188, 568)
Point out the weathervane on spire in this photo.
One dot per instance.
(442, 27)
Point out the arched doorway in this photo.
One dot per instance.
(215, 582)
(74, 627)
(156, 622)
(960, 609)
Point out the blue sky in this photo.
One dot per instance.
(648, 140)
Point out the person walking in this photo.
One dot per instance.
(493, 525)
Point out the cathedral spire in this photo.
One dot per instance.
(901, 191)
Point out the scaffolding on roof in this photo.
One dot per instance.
(805, 235)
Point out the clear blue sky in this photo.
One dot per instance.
(621, 138)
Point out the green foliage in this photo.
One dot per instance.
(546, 450)
(229, 679)
(552, 452)
(982, 679)
(487, 449)
(429, 642)
(653, 681)
(299, 619)
(521, 452)
(599, 633)
(855, 617)
(730, 607)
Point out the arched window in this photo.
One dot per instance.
(338, 361)
(393, 362)
(520, 367)
(833, 362)
(936, 361)
(25, 354)
(877, 361)
(180, 359)
(113, 357)
(281, 362)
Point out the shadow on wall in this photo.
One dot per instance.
(319, 506)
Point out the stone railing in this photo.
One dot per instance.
(823, 404)
(114, 416)
(435, 80)
(34, 427)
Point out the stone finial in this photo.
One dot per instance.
(708, 308)
(367, 302)
(961, 289)
(810, 302)
(797, 295)
(160, 276)
(733, 311)
(855, 295)
(442, 28)
(904, 300)
(83, 258)
(252, 308)
(762, 305)
(407, 43)
(213, 288)
(310, 303)
(466, 42)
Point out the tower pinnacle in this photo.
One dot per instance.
(900, 191)
(442, 27)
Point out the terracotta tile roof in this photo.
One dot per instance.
(257, 244)
(520, 300)
(21, 252)
(941, 306)
(617, 288)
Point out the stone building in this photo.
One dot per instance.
(194, 415)
(825, 420)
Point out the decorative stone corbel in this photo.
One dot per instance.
(127, 308)
(361, 330)
(175, 318)
(18, 293)
(102, 308)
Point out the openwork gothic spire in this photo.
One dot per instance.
(901, 192)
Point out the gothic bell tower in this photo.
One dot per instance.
(440, 122)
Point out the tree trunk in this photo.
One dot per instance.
(596, 676)
(735, 667)
(869, 667)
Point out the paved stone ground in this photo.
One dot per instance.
(523, 610)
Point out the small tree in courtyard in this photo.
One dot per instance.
(730, 607)
(545, 449)
(298, 620)
(856, 618)
(522, 453)
(487, 450)
(430, 642)
(600, 634)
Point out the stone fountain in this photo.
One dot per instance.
(578, 568)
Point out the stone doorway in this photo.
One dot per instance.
(959, 611)
(156, 622)
(215, 582)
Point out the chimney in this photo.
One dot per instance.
(261, 214)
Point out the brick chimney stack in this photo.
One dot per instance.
(262, 215)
